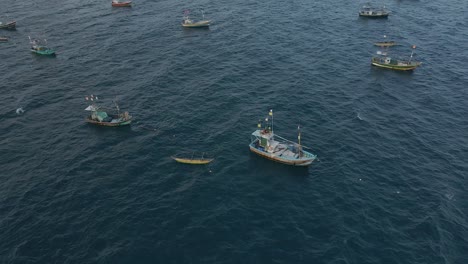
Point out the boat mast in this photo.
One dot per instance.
(411, 56)
(299, 139)
(271, 114)
(117, 106)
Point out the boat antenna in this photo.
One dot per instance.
(271, 114)
(412, 51)
(299, 138)
(117, 106)
(203, 14)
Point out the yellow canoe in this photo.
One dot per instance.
(193, 161)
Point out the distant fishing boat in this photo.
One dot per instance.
(99, 115)
(385, 43)
(116, 3)
(189, 23)
(40, 47)
(3, 39)
(384, 61)
(192, 160)
(271, 146)
(9, 25)
(372, 12)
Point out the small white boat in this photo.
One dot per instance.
(189, 23)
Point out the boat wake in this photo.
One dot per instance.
(359, 116)
(19, 111)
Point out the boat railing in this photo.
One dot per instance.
(302, 146)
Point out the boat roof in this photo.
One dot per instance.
(91, 108)
(260, 133)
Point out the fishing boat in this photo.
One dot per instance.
(3, 39)
(192, 160)
(385, 43)
(267, 144)
(189, 23)
(100, 116)
(40, 47)
(372, 12)
(384, 61)
(9, 25)
(116, 3)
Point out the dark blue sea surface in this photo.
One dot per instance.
(390, 185)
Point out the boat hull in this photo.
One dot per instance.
(198, 24)
(123, 4)
(395, 67)
(295, 162)
(2, 39)
(375, 16)
(109, 124)
(44, 52)
(193, 161)
(10, 25)
(385, 44)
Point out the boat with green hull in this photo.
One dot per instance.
(384, 61)
(102, 116)
(190, 23)
(40, 47)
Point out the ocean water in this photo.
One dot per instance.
(390, 185)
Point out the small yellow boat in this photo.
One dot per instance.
(192, 160)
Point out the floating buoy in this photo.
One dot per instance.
(19, 111)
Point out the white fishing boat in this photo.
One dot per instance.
(190, 23)
(267, 144)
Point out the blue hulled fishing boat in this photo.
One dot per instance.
(268, 145)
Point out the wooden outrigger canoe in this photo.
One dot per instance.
(122, 4)
(192, 160)
(198, 24)
(385, 43)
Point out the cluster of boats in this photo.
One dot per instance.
(264, 141)
(382, 59)
(186, 22)
(8, 26)
(40, 46)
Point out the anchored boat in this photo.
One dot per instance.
(385, 43)
(189, 23)
(384, 61)
(271, 146)
(40, 47)
(372, 12)
(192, 160)
(3, 39)
(116, 3)
(9, 25)
(100, 116)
